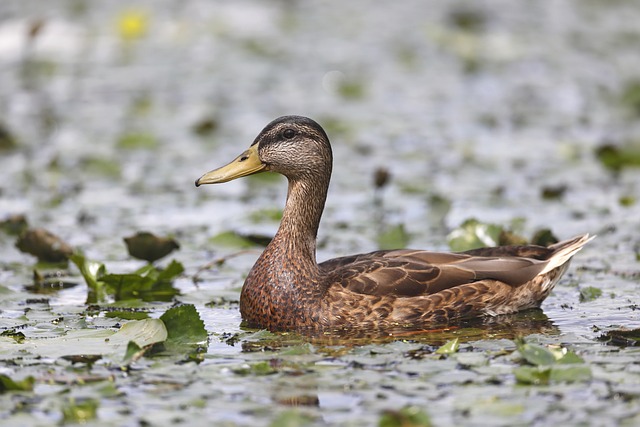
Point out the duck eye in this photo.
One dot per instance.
(289, 133)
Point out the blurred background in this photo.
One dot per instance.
(452, 122)
(499, 111)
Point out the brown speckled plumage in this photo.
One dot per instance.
(288, 290)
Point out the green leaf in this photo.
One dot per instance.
(621, 337)
(137, 140)
(410, 416)
(133, 353)
(170, 272)
(473, 234)
(570, 373)
(589, 293)
(536, 375)
(449, 347)
(565, 356)
(8, 384)
(231, 239)
(80, 412)
(92, 271)
(535, 354)
(395, 237)
(185, 328)
(291, 418)
(142, 332)
(11, 333)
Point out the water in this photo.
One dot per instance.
(483, 106)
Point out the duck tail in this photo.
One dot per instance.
(563, 251)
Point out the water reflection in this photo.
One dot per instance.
(500, 327)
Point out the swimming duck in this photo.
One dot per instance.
(287, 290)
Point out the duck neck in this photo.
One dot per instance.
(298, 229)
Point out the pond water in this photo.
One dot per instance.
(491, 110)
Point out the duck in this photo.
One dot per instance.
(288, 290)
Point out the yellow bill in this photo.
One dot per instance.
(245, 164)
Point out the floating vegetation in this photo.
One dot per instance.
(473, 234)
(618, 157)
(137, 140)
(589, 293)
(549, 365)
(44, 245)
(234, 239)
(147, 283)
(393, 237)
(149, 247)
(410, 416)
(14, 225)
(621, 337)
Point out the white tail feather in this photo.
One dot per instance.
(565, 250)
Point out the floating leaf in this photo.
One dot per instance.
(268, 214)
(449, 347)
(394, 237)
(185, 328)
(535, 354)
(570, 373)
(149, 247)
(9, 384)
(14, 225)
(7, 140)
(259, 368)
(232, 239)
(410, 416)
(11, 333)
(616, 157)
(621, 337)
(535, 375)
(473, 234)
(44, 245)
(291, 418)
(543, 237)
(80, 411)
(590, 293)
(137, 141)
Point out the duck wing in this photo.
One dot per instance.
(408, 273)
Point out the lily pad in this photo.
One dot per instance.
(185, 328)
(473, 234)
(590, 293)
(394, 237)
(9, 384)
